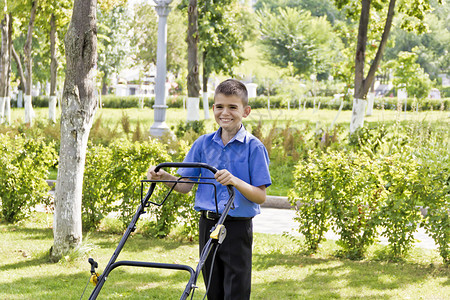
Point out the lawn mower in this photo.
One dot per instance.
(217, 236)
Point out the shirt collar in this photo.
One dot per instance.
(240, 136)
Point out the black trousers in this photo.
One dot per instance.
(232, 270)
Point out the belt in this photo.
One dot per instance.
(210, 215)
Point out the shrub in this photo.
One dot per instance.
(190, 130)
(98, 196)
(130, 162)
(399, 215)
(434, 192)
(313, 214)
(336, 189)
(354, 200)
(24, 166)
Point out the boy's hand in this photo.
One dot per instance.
(255, 194)
(224, 177)
(152, 175)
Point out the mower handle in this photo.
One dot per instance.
(185, 165)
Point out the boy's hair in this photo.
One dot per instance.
(233, 87)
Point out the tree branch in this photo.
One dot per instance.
(384, 38)
(361, 49)
(19, 67)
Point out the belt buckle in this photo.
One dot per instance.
(211, 215)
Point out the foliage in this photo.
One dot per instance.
(405, 68)
(221, 41)
(112, 101)
(294, 37)
(98, 197)
(130, 162)
(434, 192)
(399, 214)
(113, 46)
(197, 127)
(431, 46)
(318, 8)
(112, 185)
(24, 165)
(374, 186)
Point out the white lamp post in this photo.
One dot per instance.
(159, 126)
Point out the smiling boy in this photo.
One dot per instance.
(243, 162)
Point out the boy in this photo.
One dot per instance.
(243, 162)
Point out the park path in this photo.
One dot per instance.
(279, 220)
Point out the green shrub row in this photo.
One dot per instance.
(278, 101)
(361, 195)
(111, 184)
(24, 165)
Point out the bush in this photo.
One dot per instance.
(314, 213)
(434, 192)
(98, 197)
(334, 191)
(376, 185)
(24, 166)
(399, 215)
(112, 185)
(413, 104)
(445, 91)
(112, 101)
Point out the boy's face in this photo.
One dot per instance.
(229, 111)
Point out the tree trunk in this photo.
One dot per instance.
(4, 66)
(205, 88)
(21, 75)
(28, 63)
(19, 68)
(53, 71)
(193, 83)
(78, 105)
(104, 85)
(362, 84)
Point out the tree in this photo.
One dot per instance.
(25, 71)
(221, 41)
(413, 15)
(114, 26)
(317, 8)
(431, 46)
(5, 67)
(55, 18)
(78, 106)
(292, 37)
(405, 68)
(193, 81)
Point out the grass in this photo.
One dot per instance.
(321, 117)
(280, 270)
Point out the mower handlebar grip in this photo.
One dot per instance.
(186, 165)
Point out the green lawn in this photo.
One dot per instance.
(323, 117)
(280, 271)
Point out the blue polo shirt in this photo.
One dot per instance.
(244, 156)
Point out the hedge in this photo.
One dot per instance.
(278, 101)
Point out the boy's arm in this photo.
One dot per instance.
(255, 194)
(183, 188)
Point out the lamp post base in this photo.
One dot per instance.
(159, 129)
